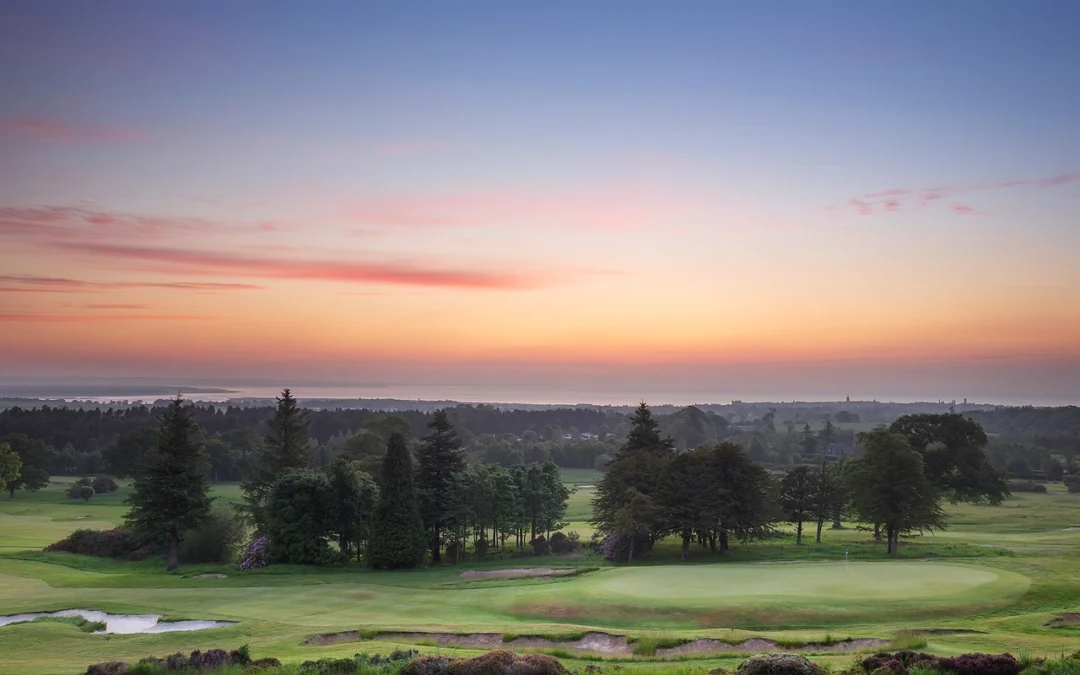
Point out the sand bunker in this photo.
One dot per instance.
(518, 572)
(123, 624)
(600, 643)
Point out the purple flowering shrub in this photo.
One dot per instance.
(256, 554)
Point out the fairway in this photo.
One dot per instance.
(856, 581)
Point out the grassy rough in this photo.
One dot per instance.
(1010, 569)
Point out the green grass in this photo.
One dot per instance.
(1003, 571)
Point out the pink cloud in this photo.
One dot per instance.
(965, 210)
(28, 283)
(116, 306)
(617, 210)
(39, 129)
(861, 207)
(897, 199)
(186, 261)
(412, 148)
(93, 318)
(77, 222)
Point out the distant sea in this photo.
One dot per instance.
(526, 394)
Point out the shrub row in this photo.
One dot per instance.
(219, 659)
(965, 664)
(1026, 486)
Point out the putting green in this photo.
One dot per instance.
(821, 588)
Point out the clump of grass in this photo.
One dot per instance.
(364, 633)
(646, 645)
(77, 621)
(907, 640)
(554, 637)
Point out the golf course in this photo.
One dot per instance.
(992, 581)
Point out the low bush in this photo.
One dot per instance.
(104, 484)
(779, 664)
(497, 662)
(218, 540)
(256, 554)
(115, 543)
(540, 546)
(980, 664)
(565, 543)
(1026, 486)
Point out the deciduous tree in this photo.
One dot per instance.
(797, 492)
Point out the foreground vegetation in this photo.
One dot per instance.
(981, 572)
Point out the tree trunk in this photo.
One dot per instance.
(893, 536)
(435, 557)
(798, 533)
(723, 541)
(11, 491)
(174, 551)
(685, 546)
(630, 552)
(877, 531)
(820, 524)
(712, 544)
(836, 520)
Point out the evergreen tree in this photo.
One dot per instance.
(829, 495)
(397, 535)
(169, 496)
(286, 447)
(889, 487)
(635, 474)
(440, 457)
(953, 451)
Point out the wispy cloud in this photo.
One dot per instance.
(966, 210)
(102, 307)
(189, 261)
(81, 222)
(899, 199)
(28, 283)
(411, 148)
(41, 129)
(95, 318)
(612, 209)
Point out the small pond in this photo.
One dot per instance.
(124, 624)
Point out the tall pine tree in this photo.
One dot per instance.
(440, 457)
(286, 447)
(169, 496)
(397, 532)
(632, 481)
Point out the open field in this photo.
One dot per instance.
(999, 574)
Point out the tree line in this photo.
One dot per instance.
(716, 492)
(422, 499)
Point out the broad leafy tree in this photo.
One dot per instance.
(169, 495)
(398, 537)
(953, 451)
(286, 447)
(37, 461)
(829, 495)
(300, 516)
(125, 454)
(440, 457)
(354, 495)
(797, 492)
(889, 487)
(10, 466)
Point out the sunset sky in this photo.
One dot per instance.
(674, 200)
